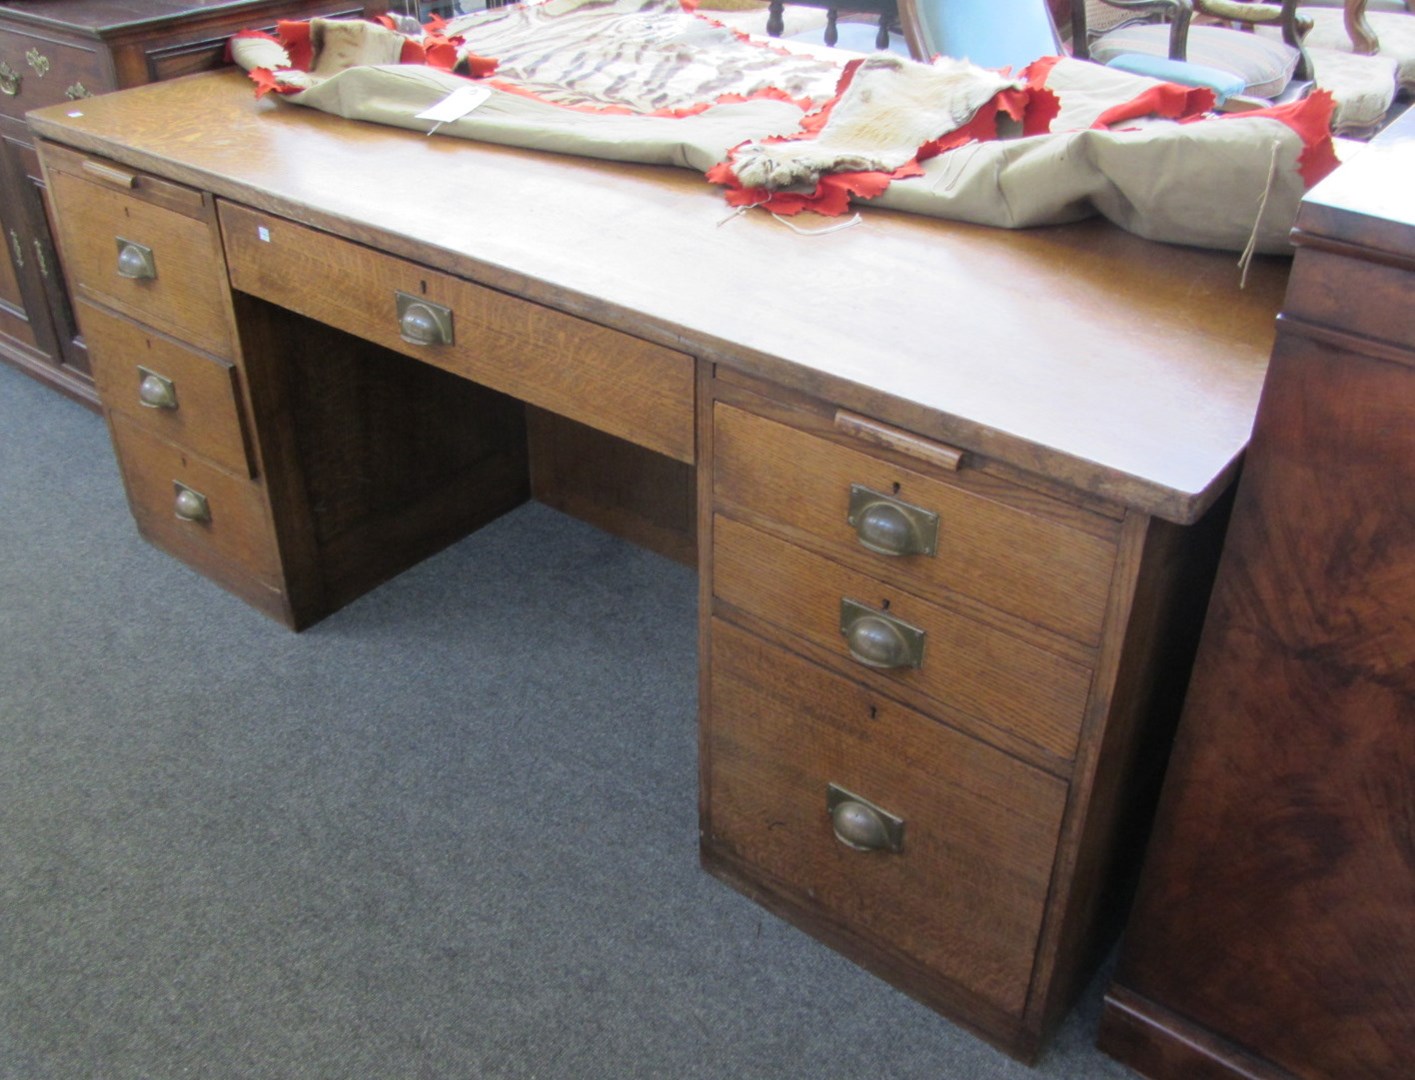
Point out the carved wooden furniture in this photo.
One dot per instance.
(1263, 67)
(59, 50)
(885, 11)
(951, 556)
(1273, 933)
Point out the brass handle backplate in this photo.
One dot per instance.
(890, 526)
(860, 824)
(190, 504)
(135, 261)
(155, 391)
(878, 639)
(17, 249)
(421, 322)
(10, 80)
(38, 61)
(39, 258)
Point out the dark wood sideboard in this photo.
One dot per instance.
(57, 50)
(1274, 931)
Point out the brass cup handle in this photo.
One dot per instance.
(135, 261)
(860, 824)
(890, 526)
(189, 504)
(421, 322)
(155, 391)
(10, 80)
(880, 640)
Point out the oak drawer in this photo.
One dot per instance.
(143, 246)
(173, 391)
(38, 72)
(234, 535)
(613, 382)
(965, 893)
(1016, 561)
(963, 664)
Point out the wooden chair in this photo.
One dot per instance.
(1152, 37)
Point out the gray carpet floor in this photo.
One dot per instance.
(449, 832)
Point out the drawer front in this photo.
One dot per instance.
(173, 391)
(179, 286)
(35, 72)
(963, 664)
(1012, 560)
(607, 380)
(1372, 302)
(965, 893)
(235, 532)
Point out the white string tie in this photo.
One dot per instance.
(1246, 259)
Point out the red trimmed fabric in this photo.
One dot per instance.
(1169, 101)
(295, 36)
(1310, 119)
(436, 50)
(1034, 106)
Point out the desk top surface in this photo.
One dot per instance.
(1127, 369)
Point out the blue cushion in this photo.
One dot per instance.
(1224, 84)
(1265, 65)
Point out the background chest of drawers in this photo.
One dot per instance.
(57, 50)
(933, 700)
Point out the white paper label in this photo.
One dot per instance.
(456, 104)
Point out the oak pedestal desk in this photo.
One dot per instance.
(948, 488)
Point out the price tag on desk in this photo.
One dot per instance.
(455, 105)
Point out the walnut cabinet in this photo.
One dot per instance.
(56, 51)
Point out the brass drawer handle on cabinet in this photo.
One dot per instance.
(860, 824)
(190, 504)
(135, 260)
(156, 391)
(10, 80)
(890, 526)
(421, 322)
(879, 640)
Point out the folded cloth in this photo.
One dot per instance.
(644, 80)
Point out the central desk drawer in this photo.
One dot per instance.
(607, 380)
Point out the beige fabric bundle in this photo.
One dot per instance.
(1228, 184)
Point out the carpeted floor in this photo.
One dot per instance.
(448, 833)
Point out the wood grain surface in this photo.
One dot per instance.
(1122, 367)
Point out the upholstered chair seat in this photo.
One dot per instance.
(1394, 31)
(1265, 65)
